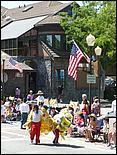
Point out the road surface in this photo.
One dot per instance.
(16, 141)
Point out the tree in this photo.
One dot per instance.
(97, 18)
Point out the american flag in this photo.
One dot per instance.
(15, 64)
(75, 58)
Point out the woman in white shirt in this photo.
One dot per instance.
(36, 124)
(40, 98)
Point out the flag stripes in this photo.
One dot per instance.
(74, 60)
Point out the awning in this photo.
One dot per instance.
(8, 66)
(17, 28)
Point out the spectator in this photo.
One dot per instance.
(95, 106)
(24, 110)
(105, 130)
(7, 102)
(91, 128)
(84, 97)
(17, 92)
(2, 112)
(18, 102)
(113, 108)
(40, 98)
(60, 93)
(30, 96)
(79, 123)
(112, 136)
(84, 107)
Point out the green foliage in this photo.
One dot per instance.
(97, 18)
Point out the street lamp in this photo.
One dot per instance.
(90, 39)
(98, 51)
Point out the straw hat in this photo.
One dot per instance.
(92, 115)
(11, 98)
(40, 92)
(79, 113)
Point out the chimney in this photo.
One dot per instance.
(24, 5)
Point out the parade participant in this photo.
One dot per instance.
(58, 124)
(36, 124)
(53, 111)
(24, 110)
(62, 122)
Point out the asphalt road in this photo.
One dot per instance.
(16, 141)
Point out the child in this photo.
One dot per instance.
(106, 130)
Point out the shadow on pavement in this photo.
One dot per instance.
(62, 145)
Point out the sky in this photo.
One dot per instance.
(13, 4)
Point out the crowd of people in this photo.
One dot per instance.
(85, 122)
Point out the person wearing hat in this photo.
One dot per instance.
(95, 106)
(92, 127)
(17, 92)
(30, 96)
(40, 99)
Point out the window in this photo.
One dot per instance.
(10, 43)
(57, 41)
(49, 39)
(2, 44)
(6, 44)
(60, 76)
(14, 43)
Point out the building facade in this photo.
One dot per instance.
(33, 35)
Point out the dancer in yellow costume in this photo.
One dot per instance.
(58, 124)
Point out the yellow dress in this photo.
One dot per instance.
(49, 124)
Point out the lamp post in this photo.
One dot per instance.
(98, 51)
(90, 39)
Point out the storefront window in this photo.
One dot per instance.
(60, 76)
(57, 41)
(49, 39)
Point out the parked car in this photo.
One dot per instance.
(110, 88)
